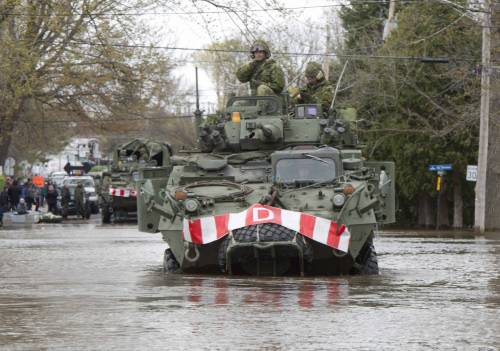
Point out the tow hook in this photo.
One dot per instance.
(194, 249)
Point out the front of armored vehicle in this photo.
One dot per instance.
(264, 195)
(289, 212)
(118, 199)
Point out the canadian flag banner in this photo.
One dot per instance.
(122, 192)
(208, 229)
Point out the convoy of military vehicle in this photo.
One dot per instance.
(273, 187)
(118, 186)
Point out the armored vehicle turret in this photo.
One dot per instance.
(270, 193)
(118, 194)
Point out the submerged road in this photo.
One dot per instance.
(84, 286)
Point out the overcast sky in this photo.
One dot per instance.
(188, 31)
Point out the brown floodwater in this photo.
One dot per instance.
(91, 287)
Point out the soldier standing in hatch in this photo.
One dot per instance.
(318, 90)
(79, 197)
(264, 74)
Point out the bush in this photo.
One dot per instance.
(99, 169)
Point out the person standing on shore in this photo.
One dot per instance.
(51, 198)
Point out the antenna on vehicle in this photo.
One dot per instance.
(197, 113)
(337, 86)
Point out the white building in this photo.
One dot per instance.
(77, 151)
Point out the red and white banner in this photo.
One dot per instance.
(208, 229)
(122, 192)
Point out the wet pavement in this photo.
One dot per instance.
(84, 286)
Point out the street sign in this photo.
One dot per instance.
(446, 167)
(471, 175)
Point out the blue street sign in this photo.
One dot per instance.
(447, 167)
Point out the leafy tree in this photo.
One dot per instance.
(422, 113)
(221, 61)
(74, 59)
(363, 24)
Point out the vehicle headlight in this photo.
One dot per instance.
(339, 200)
(191, 205)
(348, 189)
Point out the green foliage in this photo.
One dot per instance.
(420, 113)
(364, 24)
(99, 169)
(222, 63)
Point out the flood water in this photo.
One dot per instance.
(89, 287)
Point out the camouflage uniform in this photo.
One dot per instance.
(79, 200)
(266, 77)
(318, 92)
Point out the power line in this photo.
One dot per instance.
(173, 13)
(110, 120)
(230, 10)
(349, 56)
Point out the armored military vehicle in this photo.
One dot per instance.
(270, 193)
(118, 194)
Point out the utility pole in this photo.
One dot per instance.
(482, 166)
(389, 26)
(328, 60)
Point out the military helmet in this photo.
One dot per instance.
(314, 70)
(260, 45)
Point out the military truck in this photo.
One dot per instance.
(117, 198)
(270, 193)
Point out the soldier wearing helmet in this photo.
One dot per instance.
(264, 74)
(318, 90)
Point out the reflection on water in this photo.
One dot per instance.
(275, 292)
(93, 287)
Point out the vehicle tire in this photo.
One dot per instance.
(170, 264)
(367, 259)
(268, 232)
(105, 215)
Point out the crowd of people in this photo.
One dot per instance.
(21, 196)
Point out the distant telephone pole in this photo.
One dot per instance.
(389, 26)
(329, 50)
(482, 166)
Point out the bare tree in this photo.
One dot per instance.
(74, 57)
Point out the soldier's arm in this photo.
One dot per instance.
(245, 72)
(305, 96)
(278, 79)
(326, 98)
